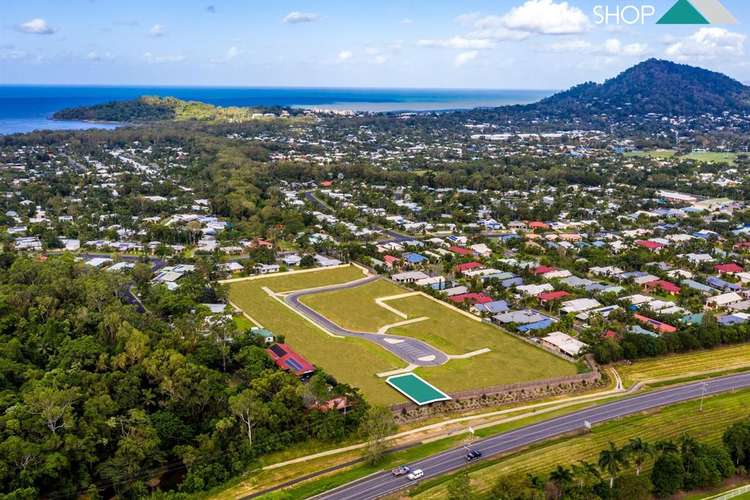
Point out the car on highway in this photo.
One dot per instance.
(415, 474)
(400, 471)
(472, 455)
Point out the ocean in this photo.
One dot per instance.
(27, 108)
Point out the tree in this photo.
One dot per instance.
(668, 474)
(52, 405)
(640, 450)
(562, 478)
(629, 487)
(459, 488)
(737, 441)
(611, 461)
(250, 410)
(377, 426)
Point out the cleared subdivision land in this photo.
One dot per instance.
(719, 412)
(344, 358)
(509, 360)
(687, 365)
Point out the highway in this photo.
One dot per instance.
(411, 350)
(384, 483)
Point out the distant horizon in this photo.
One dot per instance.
(271, 87)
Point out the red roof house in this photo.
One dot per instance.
(663, 285)
(474, 298)
(538, 225)
(543, 270)
(326, 183)
(730, 268)
(466, 266)
(461, 250)
(552, 296)
(288, 360)
(655, 325)
(651, 245)
(390, 260)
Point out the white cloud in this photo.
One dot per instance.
(231, 54)
(36, 26)
(708, 43)
(10, 53)
(379, 59)
(344, 55)
(96, 56)
(573, 45)
(614, 46)
(546, 17)
(157, 30)
(297, 17)
(407, 20)
(458, 42)
(154, 59)
(465, 57)
(611, 47)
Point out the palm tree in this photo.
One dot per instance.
(561, 477)
(640, 450)
(611, 461)
(665, 446)
(586, 473)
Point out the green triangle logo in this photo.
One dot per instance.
(683, 12)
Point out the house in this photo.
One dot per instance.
(474, 298)
(494, 307)
(410, 277)
(535, 290)
(654, 324)
(543, 270)
(324, 261)
(481, 249)
(231, 267)
(525, 316)
(721, 284)
(456, 290)
(723, 300)
(414, 258)
(579, 305)
(650, 245)
(266, 268)
(462, 251)
(601, 311)
(664, 286)
(434, 282)
(730, 268)
(262, 333)
(288, 360)
(340, 404)
(390, 261)
(466, 266)
(546, 297)
(292, 260)
(564, 343)
(539, 325)
(98, 262)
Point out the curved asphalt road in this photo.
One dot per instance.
(384, 483)
(411, 350)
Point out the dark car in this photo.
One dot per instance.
(400, 471)
(473, 455)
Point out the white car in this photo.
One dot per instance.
(415, 474)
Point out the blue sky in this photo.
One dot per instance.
(529, 44)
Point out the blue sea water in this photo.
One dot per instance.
(27, 108)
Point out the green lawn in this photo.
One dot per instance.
(718, 413)
(511, 360)
(687, 365)
(342, 358)
(355, 308)
(712, 157)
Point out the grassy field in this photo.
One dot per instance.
(686, 365)
(718, 413)
(355, 308)
(318, 347)
(510, 361)
(712, 157)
